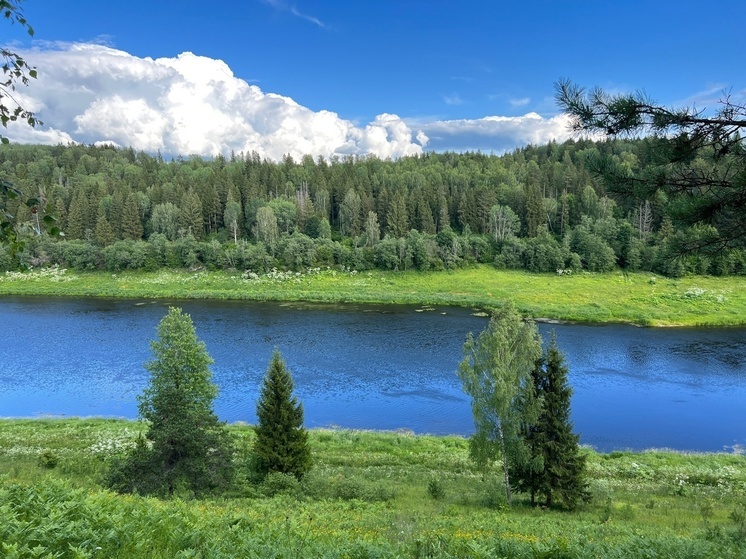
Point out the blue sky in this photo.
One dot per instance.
(356, 77)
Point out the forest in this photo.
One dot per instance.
(539, 209)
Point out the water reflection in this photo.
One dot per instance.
(373, 367)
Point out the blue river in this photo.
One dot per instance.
(373, 367)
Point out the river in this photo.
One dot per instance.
(373, 367)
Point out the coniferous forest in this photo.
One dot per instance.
(539, 208)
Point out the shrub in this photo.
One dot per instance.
(435, 489)
(48, 460)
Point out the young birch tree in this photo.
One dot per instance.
(496, 373)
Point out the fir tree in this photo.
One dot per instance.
(281, 440)
(77, 215)
(556, 469)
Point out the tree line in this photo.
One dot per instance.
(538, 208)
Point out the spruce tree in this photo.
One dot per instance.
(186, 447)
(104, 232)
(556, 469)
(281, 440)
(131, 222)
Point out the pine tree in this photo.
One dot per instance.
(281, 440)
(556, 468)
(189, 448)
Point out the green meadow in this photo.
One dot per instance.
(369, 494)
(614, 297)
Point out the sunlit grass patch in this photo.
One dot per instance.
(613, 297)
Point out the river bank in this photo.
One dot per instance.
(616, 297)
(369, 494)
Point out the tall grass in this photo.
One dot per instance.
(369, 495)
(641, 299)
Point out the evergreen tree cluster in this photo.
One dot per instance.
(186, 447)
(537, 208)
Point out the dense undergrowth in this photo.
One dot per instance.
(369, 494)
(613, 297)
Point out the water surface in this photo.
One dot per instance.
(372, 367)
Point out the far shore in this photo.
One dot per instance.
(610, 298)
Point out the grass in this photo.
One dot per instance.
(615, 297)
(369, 495)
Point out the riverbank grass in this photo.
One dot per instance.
(616, 297)
(369, 494)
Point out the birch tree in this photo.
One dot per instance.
(496, 373)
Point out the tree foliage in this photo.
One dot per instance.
(464, 208)
(16, 70)
(556, 468)
(496, 373)
(695, 159)
(186, 447)
(281, 440)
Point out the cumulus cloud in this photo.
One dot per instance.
(92, 93)
(186, 105)
(495, 133)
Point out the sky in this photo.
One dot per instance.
(356, 77)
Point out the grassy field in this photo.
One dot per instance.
(370, 494)
(640, 299)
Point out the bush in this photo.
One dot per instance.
(279, 483)
(435, 489)
(48, 460)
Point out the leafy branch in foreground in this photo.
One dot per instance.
(694, 160)
(15, 70)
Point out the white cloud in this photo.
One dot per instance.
(495, 133)
(285, 7)
(520, 102)
(90, 93)
(186, 105)
(453, 99)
